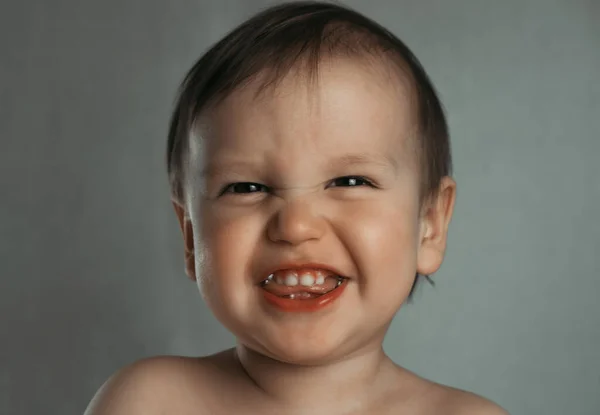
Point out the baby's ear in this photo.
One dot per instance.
(435, 220)
(188, 239)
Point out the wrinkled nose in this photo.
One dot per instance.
(296, 222)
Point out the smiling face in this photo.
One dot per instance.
(324, 176)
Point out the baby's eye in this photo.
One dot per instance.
(350, 181)
(244, 187)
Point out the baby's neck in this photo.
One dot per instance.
(359, 380)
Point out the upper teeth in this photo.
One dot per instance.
(293, 278)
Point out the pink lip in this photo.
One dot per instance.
(305, 306)
(299, 266)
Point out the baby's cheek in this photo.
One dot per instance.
(381, 227)
(391, 245)
(229, 243)
(383, 243)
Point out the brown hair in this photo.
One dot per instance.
(271, 43)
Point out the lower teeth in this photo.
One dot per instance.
(306, 295)
(301, 296)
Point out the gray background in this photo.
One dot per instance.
(91, 260)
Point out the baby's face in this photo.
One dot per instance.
(314, 182)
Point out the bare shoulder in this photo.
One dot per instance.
(459, 402)
(157, 385)
(423, 396)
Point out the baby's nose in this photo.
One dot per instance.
(296, 222)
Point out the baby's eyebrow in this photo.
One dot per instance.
(349, 160)
(213, 168)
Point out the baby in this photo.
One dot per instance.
(309, 161)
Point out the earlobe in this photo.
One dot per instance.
(188, 239)
(434, 228)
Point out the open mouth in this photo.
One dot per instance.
(302, 290)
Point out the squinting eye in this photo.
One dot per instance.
(350, 181)
(244, 187)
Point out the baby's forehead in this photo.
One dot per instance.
(340, 87)
(348, 104)
(380, 73)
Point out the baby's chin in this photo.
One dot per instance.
(300, 357)
(299, 351)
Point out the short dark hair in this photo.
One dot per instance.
(272, 42)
